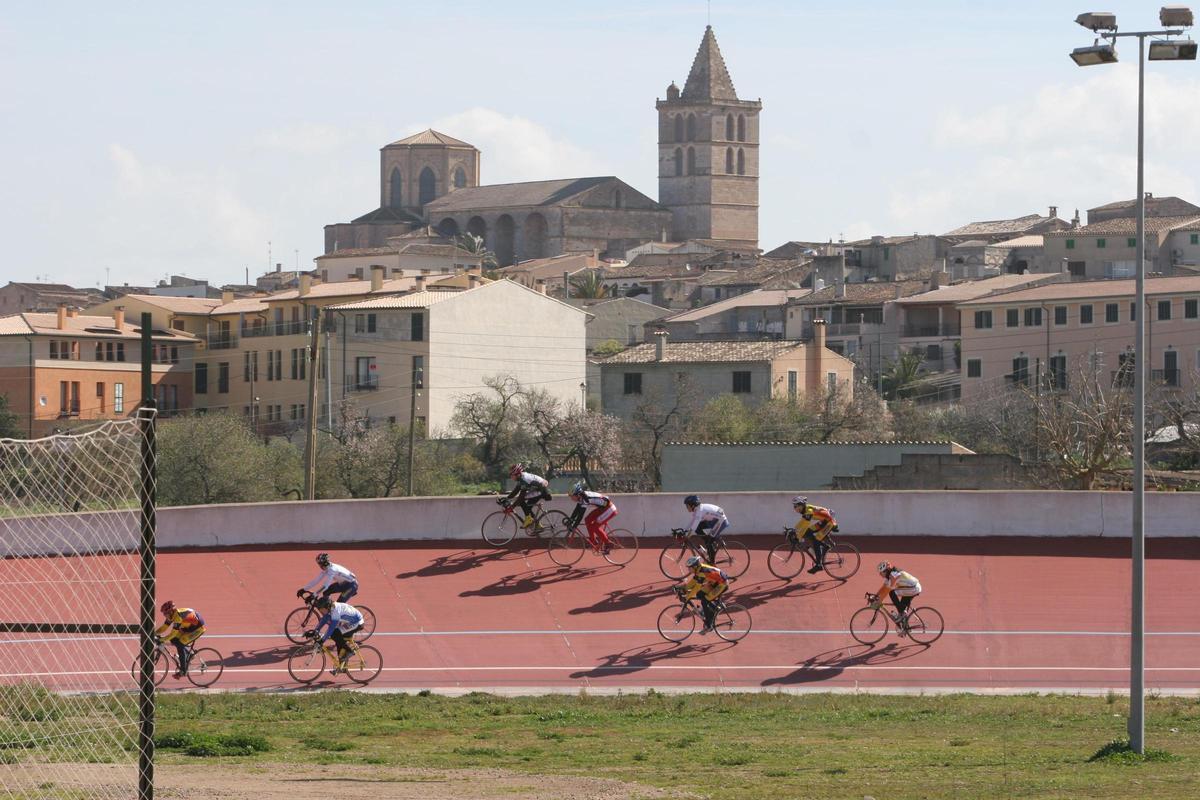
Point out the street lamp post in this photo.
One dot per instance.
(1104, 24)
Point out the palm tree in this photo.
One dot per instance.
(589, 286)
(474, 244)
(902, 376)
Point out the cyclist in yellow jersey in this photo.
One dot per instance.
(814, 525)
(181, 627)
(901, 587)
(709, 583)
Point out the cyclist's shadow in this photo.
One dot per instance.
(625, 599)
(536, 579)
(831, 663)
(636, 659)
(265, 655)
(461, 562)
(756, 594)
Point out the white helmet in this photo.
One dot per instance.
(884, 567)
(799, 500)
(693, 562)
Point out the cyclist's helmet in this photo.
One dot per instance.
(324, 602)
(884, 567)
(322, 560)
(691, 501)
(799, 500)
(515, 471)
(168, 608)
(578, 490)
(694, 562)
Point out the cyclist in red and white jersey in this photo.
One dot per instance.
(602, 510)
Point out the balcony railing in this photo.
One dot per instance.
(1165, 377)
(220, 341)
(275, 329)
(945, 329)
(366, 383)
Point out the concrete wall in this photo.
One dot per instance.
(928, 471)
(777, 467)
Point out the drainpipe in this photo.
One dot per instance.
(32, 391)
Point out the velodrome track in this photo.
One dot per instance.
(1022, 614)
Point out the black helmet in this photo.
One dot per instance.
(323, 559)
(324, 602)
(691, 501)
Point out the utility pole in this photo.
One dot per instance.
(417, 382)
(310, 439)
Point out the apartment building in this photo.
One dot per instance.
(63, 368)
(1057, 329)
(1108, 249)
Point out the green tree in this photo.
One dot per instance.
(725, 418)
(9, 427)
(474, 244)
(211, 458)
(609, 347)
(589, 286)
(902, 376)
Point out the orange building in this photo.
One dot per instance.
(61, 368)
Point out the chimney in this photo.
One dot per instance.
(119, 317)
(278, 267)
(72, 313)
(305, 284)
(1075, 221)
(420, 284)
(1053, 212)
(566, 284)
(840, 290)
(540, 285)
(62, 316)
(896, 295)
(376, 277)
(473, 280)
(816, 356)
(818, 341)
(226, 296)
(660, 344)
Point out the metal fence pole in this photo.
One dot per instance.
(147, 494)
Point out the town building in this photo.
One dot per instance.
(20, 296)
(897, 257)
(1108, 248)
(1155, 207)
(998, 230)
(758, 314)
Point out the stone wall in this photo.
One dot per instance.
(942, 471)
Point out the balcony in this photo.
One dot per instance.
(932, 330)
(364, 383)
(1165, 377)
(275, 329)
(219, 341)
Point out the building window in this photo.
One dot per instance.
(1164, 309)
(68, 398)
(118, 398)
(974, 368)
(983, 320)
(1133, 312)
(678, 119)
(460, 181)
(1190, 309)
(1101, 243)
(1020, 370)
(1085, 315)
(1077, 269)
(691, 161)
(201, 375)
(270, 365)
(417, 327)
(1033, 318)
(633, 383)
(1070, 244)
(678, 162)
(1058, 371)
(1131, 241)
(741, 167)
(418, 372)
(100, 396)
(1012, 318)
(360, 323)
(1111, 312)
(1194, 238)
(887, 253)
(728, 160)
(1060, 315)
(729, 127)
(370, 323)
(741, 383)
(741, 127)
(793, 380)
(364, 374)
(223, 377)
(691, 127)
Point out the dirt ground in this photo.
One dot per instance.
(285, 782)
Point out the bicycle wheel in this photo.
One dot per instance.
(869, 625)
(732, 622)
(297, 622)
(306, 663)
(499, 528)
(365, 665)
(676, 622)
(733, 557)
(842, 561)
(368, 626)
(622, 547)
(566, 547)
(671, 561)
(553, 523)
(925, 625)
(162, 665)
(205, 667)
(786, 560)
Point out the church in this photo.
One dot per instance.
(707, 186)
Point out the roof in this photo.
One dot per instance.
(890, 240)
(242, 305)
(1032, 240)
(703, 352)
(709, 79)
(80, 326)
(387, 214)
(431, 137)
(178, 305)
(410, 300)
(755, 299)
(426, 249)
(512, 195)
(46, 287)
(347, 252)
(1127, 225)
(969, 290)
(760, 272)
(551, 267)
(999, 227)
(971, 243)
(863, 293)
(343, 289)
(1085, 290)
(1151, 202)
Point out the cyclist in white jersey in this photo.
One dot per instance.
(709, 521)
(340, 622)
(901, 587)
(528, 489)
(333, 579)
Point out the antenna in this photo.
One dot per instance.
(709, 21)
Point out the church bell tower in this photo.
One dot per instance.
(708, 153)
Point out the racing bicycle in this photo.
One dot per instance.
(678, 621)
(787, 559)
(204, 664)
(501, 527)
(733, 557)
(308, 661)
(923, 625)
(568, 542)
(305, 618)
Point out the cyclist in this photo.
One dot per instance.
(901, 586)
(531, 489)
(602, 510)
(709, 521)
(707, 581)
(181, 627)
(333, 578)
(814, 525)
(340, 621)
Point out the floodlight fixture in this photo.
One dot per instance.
(1175, 17)
(1096, 54)
(1097, 21)
(1177, 50)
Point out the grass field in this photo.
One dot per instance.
(719, 745)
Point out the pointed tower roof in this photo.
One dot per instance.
(430, 136)
(709, 79)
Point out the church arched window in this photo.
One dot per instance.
(691, 161)
(678, 161)
(728, 160)
(741, 128)
(679, 127)
(460, 178)
(729, 127)
(691, 127)
(396, 189)
(428, 187)
(741, 161)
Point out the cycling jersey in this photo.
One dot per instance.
(707, 516)
(707, 580)
(334, 573)
(902, 583)
(185, 624)
(815, 520)
(342, 617)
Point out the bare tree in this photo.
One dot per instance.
(595, 439)
(657, 418)
(543, 419)
(490, 418)
(1084, 430)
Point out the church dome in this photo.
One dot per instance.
(672, 91)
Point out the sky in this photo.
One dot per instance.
(141, 140)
